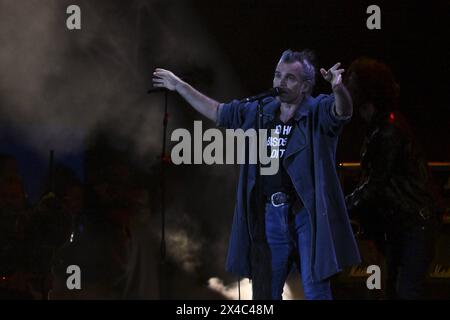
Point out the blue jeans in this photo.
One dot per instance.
(288, 234)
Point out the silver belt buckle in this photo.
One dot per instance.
(272, 199)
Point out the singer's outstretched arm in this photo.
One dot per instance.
(203, 104)
(343, 102)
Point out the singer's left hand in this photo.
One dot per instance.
(333, 75)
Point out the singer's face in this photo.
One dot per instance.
(288, 77)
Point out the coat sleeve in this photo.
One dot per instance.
(330, 122)
(232, 115)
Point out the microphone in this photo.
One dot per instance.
(269, 93)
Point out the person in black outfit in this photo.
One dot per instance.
(394, 201)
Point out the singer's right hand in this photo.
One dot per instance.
(165, 79)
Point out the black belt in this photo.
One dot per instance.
(278, 199)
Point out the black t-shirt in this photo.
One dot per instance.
(281, 180)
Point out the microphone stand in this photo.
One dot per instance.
(163, 160)
(260, 210)
(258, 192)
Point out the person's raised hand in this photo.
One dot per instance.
(333, 75)
(165, 79)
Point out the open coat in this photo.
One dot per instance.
(310, 162)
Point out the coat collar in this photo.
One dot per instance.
(299, 137)
(272, 105)
(304, 108)
(298, 140)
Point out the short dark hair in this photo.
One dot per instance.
(307, 59)
(375, 83)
